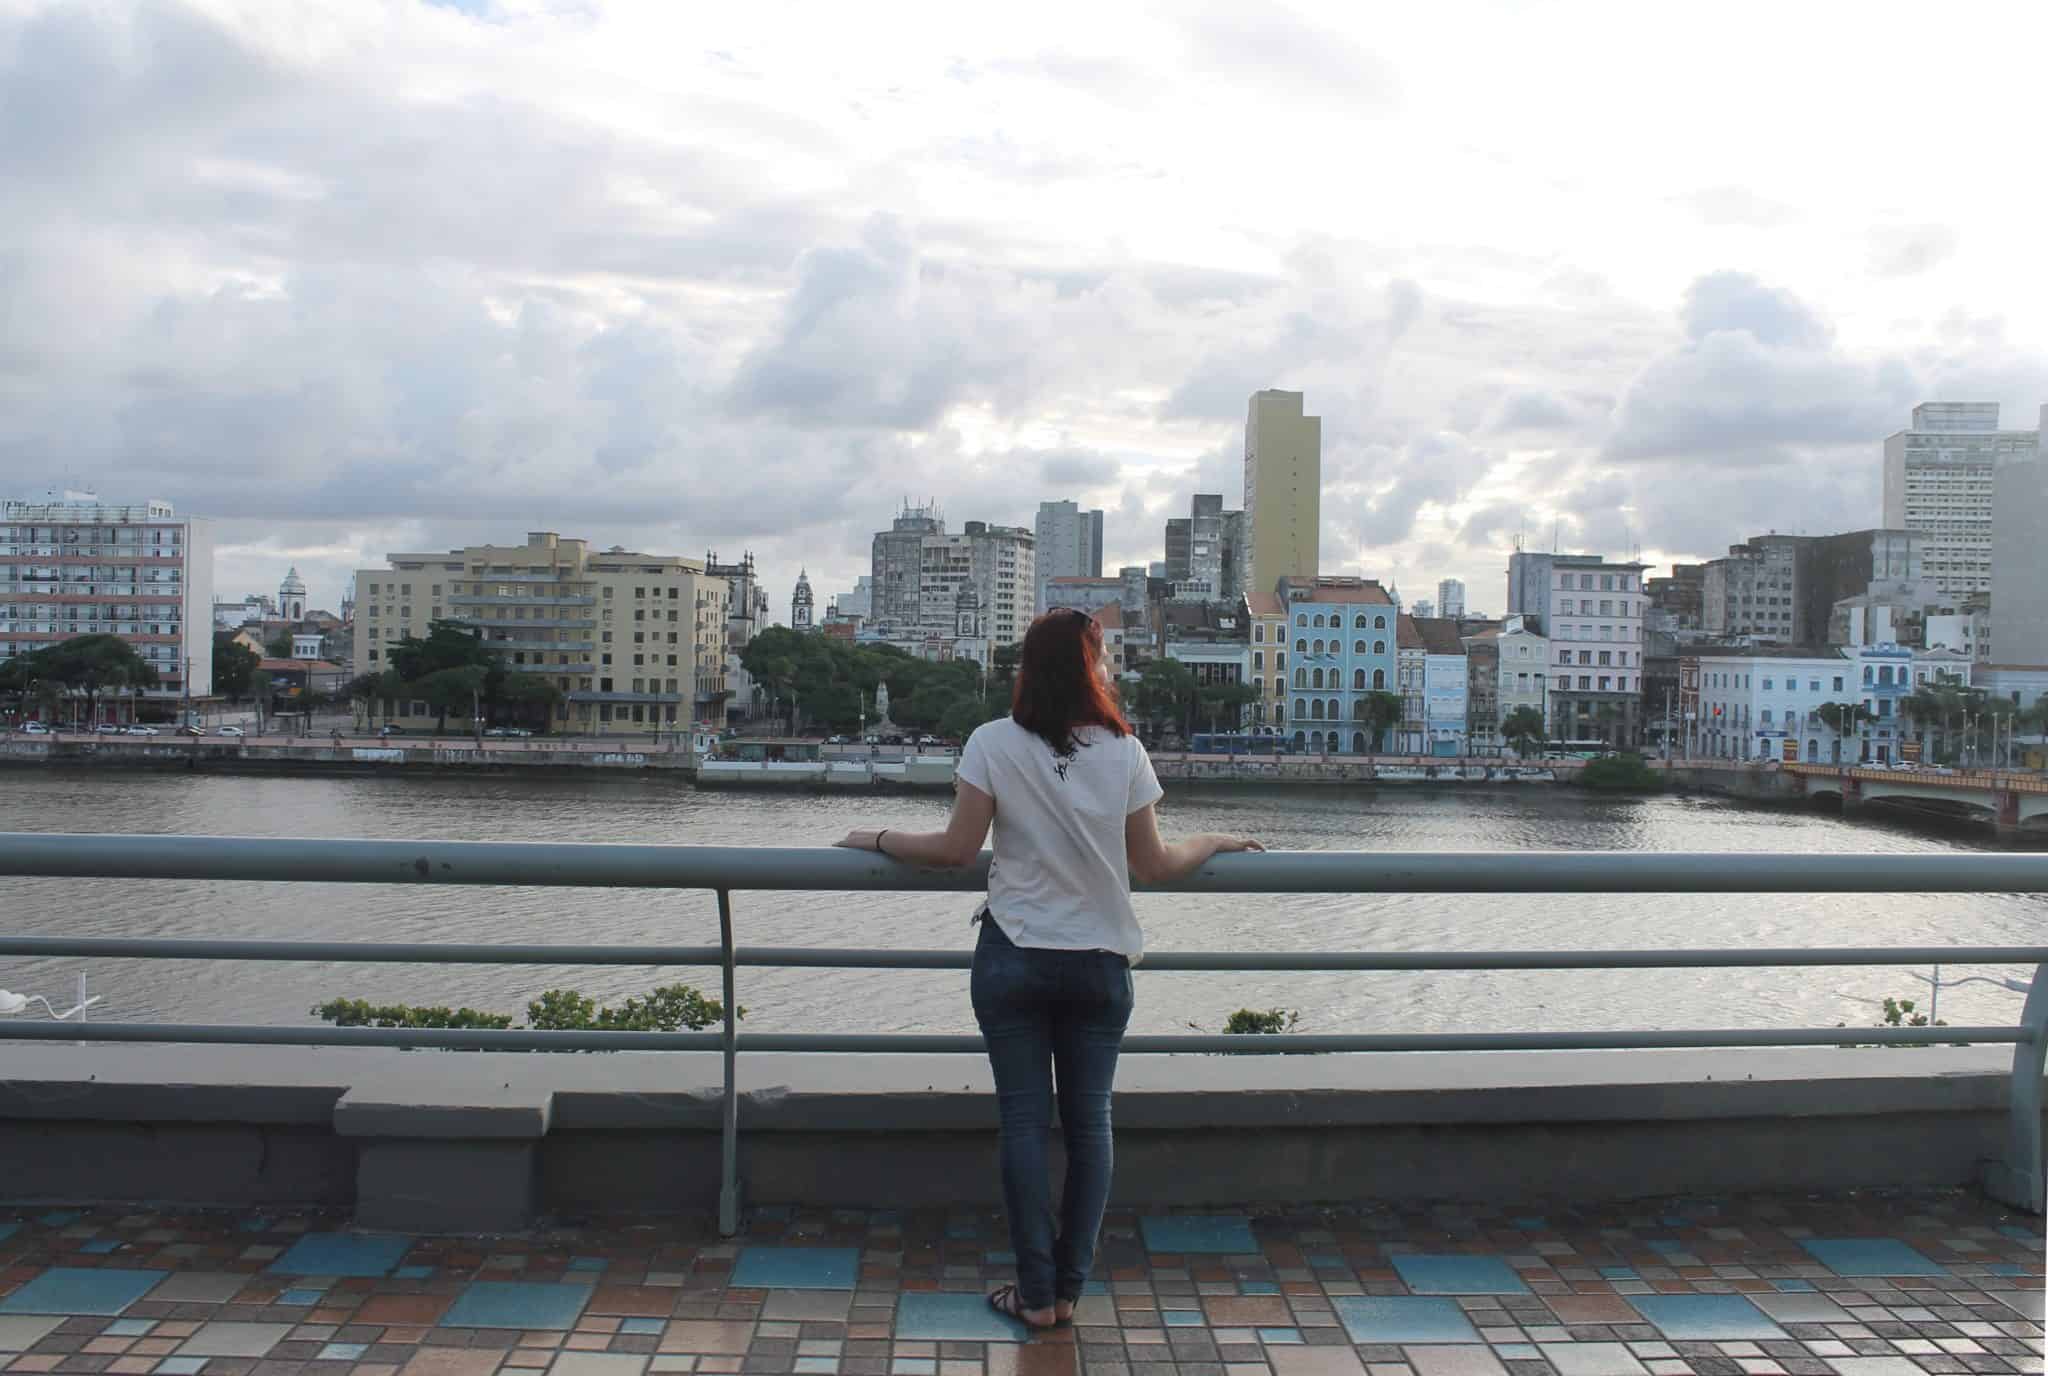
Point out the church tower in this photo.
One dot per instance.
(291, 597)
(800, 603)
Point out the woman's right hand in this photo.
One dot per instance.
(1227, 844)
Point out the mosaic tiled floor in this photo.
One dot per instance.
(1864, 1286)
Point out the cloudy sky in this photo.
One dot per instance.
(390, 275)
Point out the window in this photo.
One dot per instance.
(1319, 647)
(1358, 623)
(1603, 682)
(1379, 647)
(1301, 647)
(1767, 685)
(1379, 623)
(1358, 647)
(1301, 618)
(1258, 659)
(1607, 582)
(1564, 656)
(1604, 658)
(1838, 683)
(1300, 706)
(1379, 679)
(1301, 678)
(1259, 632)
(1358, 680)
(1316, 679)
(1586, 682)
(1319, 618)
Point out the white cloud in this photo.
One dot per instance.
(393, 274)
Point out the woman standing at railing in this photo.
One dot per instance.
(1071, 793)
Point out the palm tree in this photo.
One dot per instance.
(1524, 729)
(1924, 706)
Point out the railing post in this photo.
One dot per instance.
(729, 1135)
(2018, 1180)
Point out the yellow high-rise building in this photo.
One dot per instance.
(1283, 489)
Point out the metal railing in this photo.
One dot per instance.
(728, 870)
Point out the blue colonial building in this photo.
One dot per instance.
(1341, 632)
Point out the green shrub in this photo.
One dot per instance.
(363, 1013)
(1899, 1013)
(670, 1008)
(1251, 1021)
(1620, 774)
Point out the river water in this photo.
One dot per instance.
(613, 809)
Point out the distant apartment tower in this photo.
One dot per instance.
(1592, 611)
(1450, 598)
(897, 557)
(1283, 487)
(635, 642)
(1069, 545)
(985, 571)
(1754, 591)
(75, 566)
(1938, 477)
(1202, 551)
(2019, 581)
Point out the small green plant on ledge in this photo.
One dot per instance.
(670, 1008)
(1899, 1013)
(1252, 1021)
(1620, 774)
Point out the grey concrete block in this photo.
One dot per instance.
(444, 1105)
(445, 1187)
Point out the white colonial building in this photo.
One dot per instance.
(1767, 707)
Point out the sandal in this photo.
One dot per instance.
(1009, 1302)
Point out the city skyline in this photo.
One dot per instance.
(282, 277)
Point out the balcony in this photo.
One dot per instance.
(471, 600)
(589, 695)
(553, 647)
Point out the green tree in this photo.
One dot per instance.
(1222, 704)
(91, 666)
(1523, 729)
(233, 663)
(528, 698)
(1843, 718)
(456, 689)
(446, 645)
(1380, 712)
(1164, 695)
(279, 646)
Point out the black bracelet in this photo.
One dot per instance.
(878, 841)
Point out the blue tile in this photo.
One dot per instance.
(931, 1316)
(1258, 1287)
(60, 1218)
(588, 1263)
(794, 1268)
(413, 1272)
(1870, 1256)
(8, 1230)
(517, 1304)
(302, 1296)
(128, 1328)
(1705, 1318)
(342, 1352)
(100, 1246)
(1228, 1234)
(962, 1232)
(1458, 1275)
(2006, 1268)
(1794, 1287)
(1403, 1319)
(1664, 1246)
(81, 1290)
(1182, 1318)
(255, 1223)
(1323, 1259)
(341, 1254)
(2019, 1234)
(1279, 1337)
(1531, 1225)
(1002, 1258)
(1618, 1272)
(816, 1366)
(180, 1366)
(1517, 1352)
(643, 1326)
(914, 1366)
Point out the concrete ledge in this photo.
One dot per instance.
(477, 1142)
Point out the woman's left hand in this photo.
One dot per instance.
(860, 838)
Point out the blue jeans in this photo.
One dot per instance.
(1046, 1016)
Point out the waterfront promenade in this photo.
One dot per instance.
(1873, 1285)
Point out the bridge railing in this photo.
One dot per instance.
(726, 871)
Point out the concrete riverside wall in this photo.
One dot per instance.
(318, 755)
(479, 1142)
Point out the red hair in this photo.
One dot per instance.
(1059, 681)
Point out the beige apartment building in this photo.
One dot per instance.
(635, 641)
(1283, 490)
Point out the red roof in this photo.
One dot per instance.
(1110, 616)
(1346, 590)
(1264, 604)
(277, 665)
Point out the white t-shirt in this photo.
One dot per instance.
(1061, 879)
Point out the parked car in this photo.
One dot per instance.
(387, 729)
(230, 731)
(191, 731)
(36, 728)
(517, 731)
(138, 729)
(837, 740)
(107, 728)
(496, 731)
(928, 740)
(871, 740)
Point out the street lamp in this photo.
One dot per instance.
(1937, 984)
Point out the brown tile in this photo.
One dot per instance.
(1461, 1359)
(1314, 1361)
(707, 1336)
(411, 1311)
(633, 1301)
(1247, 1311)
(1032, 1359)
(451, 1361)
(1571, 1309)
